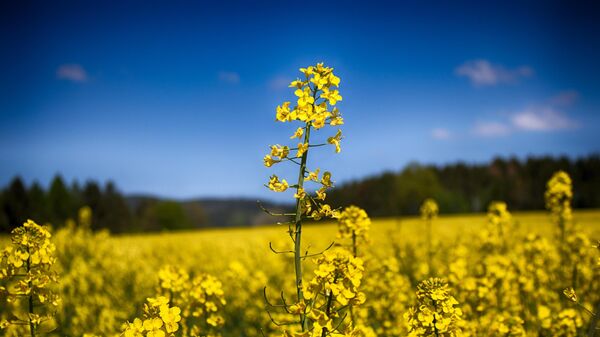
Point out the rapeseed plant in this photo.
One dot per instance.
(317, 95)
(27, 275)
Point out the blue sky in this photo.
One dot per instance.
(178, 98)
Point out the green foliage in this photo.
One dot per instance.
(110, 209)
(463, 188)
(168, 215)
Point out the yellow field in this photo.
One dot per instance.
(104, 280)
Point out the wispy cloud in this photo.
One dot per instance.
(542, 118)
(441, 134)
(484, 73)
(279, 82)
(548, 116)
(491, 129)
(229, 77)
(72, 72)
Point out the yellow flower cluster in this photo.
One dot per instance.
(498, 214)
(390, 294)
(338, 273)
(354, 224)
(316, 97)
(96, 275)
(26, 269)
(334, 287)
(429, 209)
(507, 326)
(173, 279)
(559, 193)
(160, 320)
(564, 324)
(85, 216)
(499, 227)
(319, 82)
(201, 298)
(436, 312)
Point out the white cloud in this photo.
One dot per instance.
(72, 72)
(548, 116)
(441, 134)
(229, 77)
(544, 118)
(482, 73)
(491, 129)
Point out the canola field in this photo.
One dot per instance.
(104, 280)
(323, 272)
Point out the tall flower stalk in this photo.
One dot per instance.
(317, 96)
(27, 266)
(429, 210)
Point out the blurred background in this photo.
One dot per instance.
(158, 114)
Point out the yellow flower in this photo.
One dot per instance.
(269, 161)
(299, 132)
(304, 96)
(336, 117)
(276, 185)
(283, 112)
(302, 147)
(354, 222)
(570, 293)
(321, 193)
(333, 80)
(320, 80)
(171, 318)
(429, 209)
(297, 84)
(333, 96)
(134, 329)
(279, 151)
(153, 325)
(314, 176)
(300, 194)
(335, 140)
(326, 179)
(158, 301)
(307, 71)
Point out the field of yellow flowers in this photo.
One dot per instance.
(498, 274)
(104, 280)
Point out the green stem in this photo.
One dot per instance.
(435, 330)
(354, 247)
(355, 253)
(298, 229)
(30, 286)
(328, 308)
(429, 247)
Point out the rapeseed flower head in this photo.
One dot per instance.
(436, 312)
(559, 193)
(354, 223)
(26, 269)
(429, 209)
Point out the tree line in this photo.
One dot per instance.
(458, 188)
(462, 187)
(111, 209)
